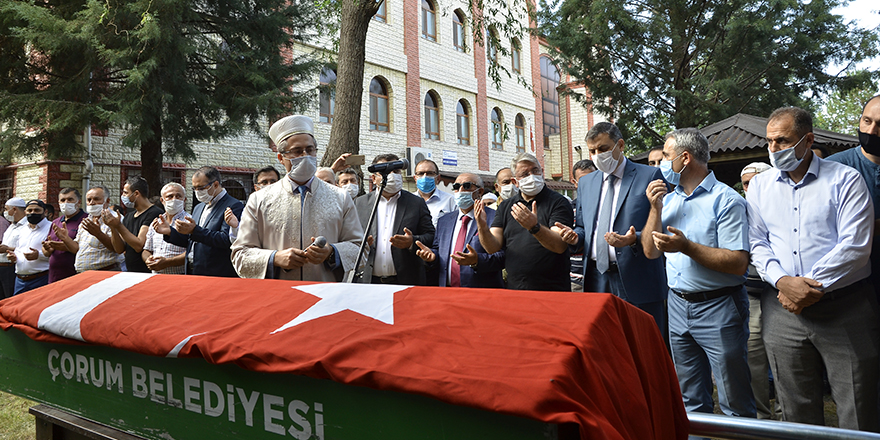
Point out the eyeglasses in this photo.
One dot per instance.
(297, 152)
(203, 187)
(467, 186)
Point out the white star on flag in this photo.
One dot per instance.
(373, 300)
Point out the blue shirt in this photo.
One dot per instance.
(870, 171)
(819, 228)
(714, 215)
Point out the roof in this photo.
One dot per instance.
(742, 132)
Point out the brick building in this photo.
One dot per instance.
(427, 91)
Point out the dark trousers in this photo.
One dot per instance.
(610, 282)
(7, 280)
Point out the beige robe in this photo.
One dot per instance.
(272, 221)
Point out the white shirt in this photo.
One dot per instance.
(10, 237)
(383, 265)
(455, 239)
(439, 203)
(32, 237)
(600, 239)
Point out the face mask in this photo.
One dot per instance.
(127, 202)
(464, 199)
(669, 175)
(68, 209)
(203, 196)
(9, 217)
(605, 162)
(531, 185)
(395, 183)
(870, 142)
(94, 210)
(426, 184)
(303, 168)
(786, 160)
(173, 206)
(352, 189)
(508, 191)
(34, 218)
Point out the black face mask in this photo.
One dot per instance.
(34, 218)
(870, 142)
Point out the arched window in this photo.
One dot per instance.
(432, 116)
(497, 129)
(462, 123)
(515, 55)
(491, 45)
(380, 14)
(327, 95)
(378, 106)
(520, 124)
(458, 35)
(549, 99)
(429, 20)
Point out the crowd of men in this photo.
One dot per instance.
(781, 280)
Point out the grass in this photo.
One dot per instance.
(15, 422)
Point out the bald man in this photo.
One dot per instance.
(456, 249)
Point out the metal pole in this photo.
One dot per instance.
(736, 428)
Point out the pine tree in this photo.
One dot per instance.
(697, 62)
(167, 72)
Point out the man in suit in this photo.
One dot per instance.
(401, 219)
(610, 206)
(457, 250)
(205, 235)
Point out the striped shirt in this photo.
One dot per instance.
(160, 248)
(92, 253)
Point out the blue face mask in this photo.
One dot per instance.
(668, 174)
(426, 184)
(464, 199)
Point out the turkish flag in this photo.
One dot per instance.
(582, 358)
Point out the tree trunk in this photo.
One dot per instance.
(355, 19)
(151, 158)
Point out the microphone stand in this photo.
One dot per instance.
(356, 275)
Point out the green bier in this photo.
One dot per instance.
(170, 398)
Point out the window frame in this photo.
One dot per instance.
(426, 13)
(375, 125)
(326, 90)
(520, 127)
(459, 35)
(497, 126)
(381, 14)
(429, 112)
(462, 120)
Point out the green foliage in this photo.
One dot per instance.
(843, 108)
(697, 62)
(167, 71)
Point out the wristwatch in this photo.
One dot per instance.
(534, 230)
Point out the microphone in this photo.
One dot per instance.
(387, 167)
(320, 242)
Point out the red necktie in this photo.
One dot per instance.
(455, 270)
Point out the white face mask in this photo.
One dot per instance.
(173, 206)
(68, 209)
(203, 196)
(531, 185)
(605, 162)
(508, 191)
(303, 168)
(94, 210)
(9, 217)
(127, 202)
(352, 189)
(786, 160)
(395, 183)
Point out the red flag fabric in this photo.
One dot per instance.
(590, 359)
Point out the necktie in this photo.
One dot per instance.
(302, 195)
(602, 259)
(455, 269)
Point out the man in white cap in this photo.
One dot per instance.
(16, 217)
(281, 222)
(758, 362)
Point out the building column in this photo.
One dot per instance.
(411, 33)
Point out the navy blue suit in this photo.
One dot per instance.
(209, 245)
(638, 279)
(488, 271)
